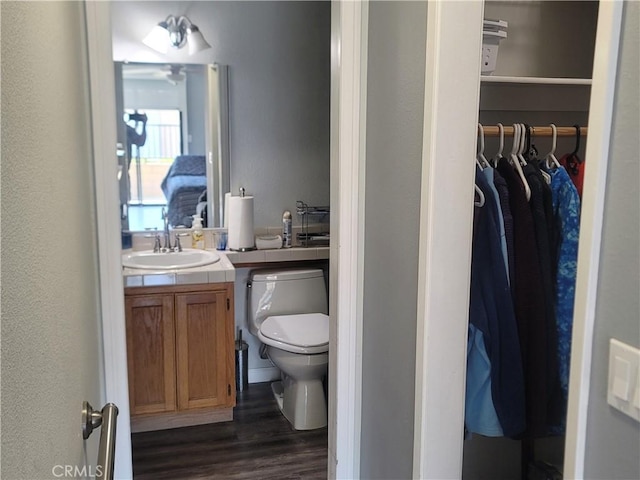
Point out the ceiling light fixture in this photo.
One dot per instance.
(176, 32)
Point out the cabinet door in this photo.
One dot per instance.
(151, 353)
(204, 342)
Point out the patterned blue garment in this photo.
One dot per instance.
(566, 209)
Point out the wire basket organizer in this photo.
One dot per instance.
(319, 219)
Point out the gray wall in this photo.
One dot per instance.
(279, 77)
(50, 329)
(613, 439)
(395, 102)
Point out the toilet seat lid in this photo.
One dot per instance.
(306, 330)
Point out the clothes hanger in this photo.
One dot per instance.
(523, 144)
(481, 165)
(498, 156)
(526, 150)
(516, 141)
(532, 153)
(526, 153)
(550, 159)
(478, 162)
(571, 161)
(480, 158)
(515, 160)
(480, 201)
(575, 150)
(515, 145)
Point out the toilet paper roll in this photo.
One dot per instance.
(241, 236)
(225, 220)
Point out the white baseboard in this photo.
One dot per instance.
(267, 374)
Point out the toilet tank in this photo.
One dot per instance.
(285, 292)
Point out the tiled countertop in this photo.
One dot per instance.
(221, 271)
(279, 255)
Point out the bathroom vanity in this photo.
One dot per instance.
(180, 354)
(180, 330)
(180, 345)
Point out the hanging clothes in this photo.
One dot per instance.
(507, 217)
(523, 271)
(529, 304)
(566, 209)
(575, 168)
(491, 315)
(489, 174)
(479, 412)
(542, 214)
(544, 228)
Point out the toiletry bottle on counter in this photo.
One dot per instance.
(286, 229)
(197, 235)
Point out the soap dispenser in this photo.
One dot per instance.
(197, 235)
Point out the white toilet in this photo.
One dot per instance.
(287, 311)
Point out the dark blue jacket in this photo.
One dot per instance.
(491, 311)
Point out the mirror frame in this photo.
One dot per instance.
(216, 125)
(218, 166)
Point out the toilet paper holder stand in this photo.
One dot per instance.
(243, 249)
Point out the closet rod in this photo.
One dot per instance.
(493, 131)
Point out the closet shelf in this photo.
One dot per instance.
(534, 80)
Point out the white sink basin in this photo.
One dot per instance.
(168, 261)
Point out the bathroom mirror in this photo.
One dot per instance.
(173, 143)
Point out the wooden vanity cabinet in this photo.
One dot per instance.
(151, 353)
(180, 355)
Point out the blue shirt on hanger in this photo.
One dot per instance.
(491, 312)
(489, 174)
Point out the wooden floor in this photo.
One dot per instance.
(259, 444)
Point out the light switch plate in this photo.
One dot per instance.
(621, 378)
(623, 392)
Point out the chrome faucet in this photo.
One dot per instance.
(167, 234)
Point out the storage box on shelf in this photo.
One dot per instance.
(542, 68)
(493, 32)
(547, 40)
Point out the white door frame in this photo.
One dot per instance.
(452, 86)
(349, 27)
(603, 85)
(443, 299)
(103, 114)
(348, 43)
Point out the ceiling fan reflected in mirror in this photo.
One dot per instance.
(172, 73)
(175, 74)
